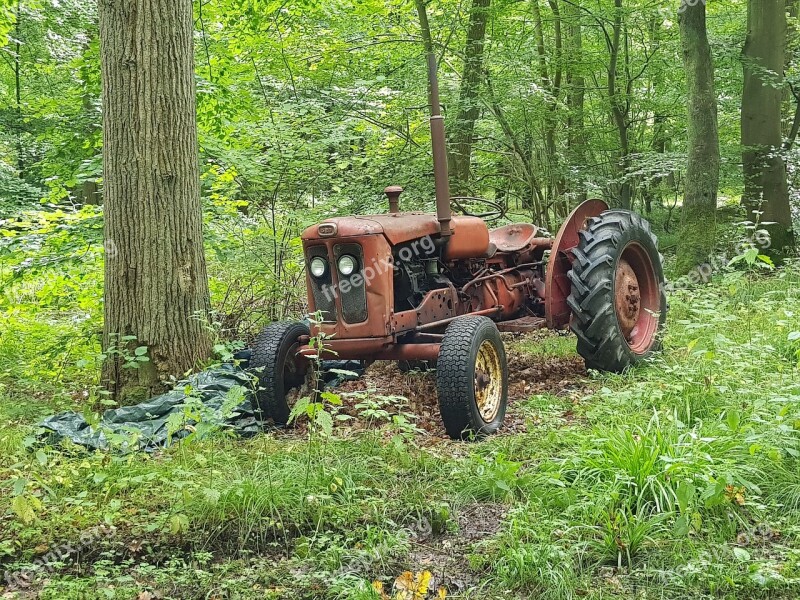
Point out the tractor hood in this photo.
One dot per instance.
(469, 239)
(398, 228)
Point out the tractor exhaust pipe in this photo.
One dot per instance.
(438, 139)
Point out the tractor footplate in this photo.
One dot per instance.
(523, 325)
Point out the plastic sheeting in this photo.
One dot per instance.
(165, 418)
(222, 397)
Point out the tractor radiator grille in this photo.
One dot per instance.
(354, 295)
(325, 303)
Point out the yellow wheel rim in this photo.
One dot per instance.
(488, 381)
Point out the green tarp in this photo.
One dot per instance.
(222, 397)
(205, 397)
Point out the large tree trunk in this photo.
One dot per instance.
(156, 287)
(765, 182)
(468, 107)
(699, 217)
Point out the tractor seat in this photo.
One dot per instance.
(514, 237)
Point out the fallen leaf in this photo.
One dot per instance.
(378, 587)
(412, 587)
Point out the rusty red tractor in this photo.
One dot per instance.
(438, 289)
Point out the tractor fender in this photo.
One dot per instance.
(558, 286)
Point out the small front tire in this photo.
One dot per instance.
(281, 371)
(472, 378)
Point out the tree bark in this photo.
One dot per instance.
(765, 179)
(468, 106)
(699, 215)
(156, 286)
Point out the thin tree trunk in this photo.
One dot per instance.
(156, 287)
(18, 91)
(660, 142)
(790, 127)
(551, 82)
(88, 191)
(468, 106)
(794, 129)
(765, 179)
(576, 95)
(619, 111)
(699, 215)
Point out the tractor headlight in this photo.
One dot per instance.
(347, 265)
(318, 267)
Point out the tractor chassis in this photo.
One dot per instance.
(417, 334)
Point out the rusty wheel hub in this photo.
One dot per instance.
(299, 378)
(488, 381)
(628, 300)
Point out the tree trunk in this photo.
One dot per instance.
(88, 191)
(654, 190)
(156, 287)
(699, 216)
(620, 108)
(789, 92)
(468, 106)
(576, 95)
(18, 91)
(765, 180)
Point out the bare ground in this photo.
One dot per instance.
(528, 375)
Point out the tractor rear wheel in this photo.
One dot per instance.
(282, 374)
(618, 302)
(472, 378)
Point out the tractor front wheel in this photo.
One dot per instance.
(617, 301)
(472, 378)
(283, 375)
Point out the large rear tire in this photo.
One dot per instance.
(280, 371)
(472, 378)
(618, 302)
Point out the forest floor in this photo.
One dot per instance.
(679, 479)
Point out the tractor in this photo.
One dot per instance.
(438, 290)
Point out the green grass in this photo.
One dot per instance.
(553, 346)
(676, 480)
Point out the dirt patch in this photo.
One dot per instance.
(447, 556)
(528, 375)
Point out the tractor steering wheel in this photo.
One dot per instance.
(497, 212)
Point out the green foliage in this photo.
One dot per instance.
(679, 477)
(677, 480)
